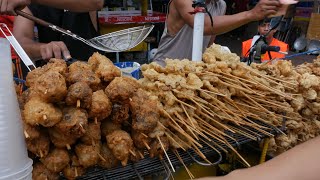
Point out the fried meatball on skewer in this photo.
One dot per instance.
(156, 149)
(39, 146)
(60, 139)
(107, 127)
(74, 122)
(74, 169)
(121, 145)
(88, 155)
(56, 160)
(79, 95)
(101, 106)
(39, 112)
(40, 172)
(121, 89)
(141, 140)
(93, 134)
(120, 113)
(110, 159)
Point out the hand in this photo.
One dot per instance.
(8, 6)
(264, 9)
(54, 49)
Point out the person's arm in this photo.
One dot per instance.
(23, 30)
(73, 5)
(222, 24)
(8, 6)
(301, 162)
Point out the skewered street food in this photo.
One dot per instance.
(40, 172)
(120, 113)
(60, 139)
(93, 134)
(56, 160)
(88, 154)
(101, 106)
(110, 159)
(39, 146)
(73, 169)
(79, 95)
(121, 89)
(108, 127)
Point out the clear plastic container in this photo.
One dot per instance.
(14, 161)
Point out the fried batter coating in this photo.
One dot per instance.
(51, 87)
(82, 92)
(81, 72)
(88, 155)
(33, 76)
(120, 143)
(74, 122)
(107, 127)
(110, 159)
(156, 149)
(56, 160)
(140, 139)
(137, 156)
(39, 146)
(121, 89)
(103, 67)
(145, 112)
(101, 106)
(61, 140)
(120, 113)
(74, 169)
(39, 112)
(57, 65)
(40, 172)
(93, 133)
(30, 132)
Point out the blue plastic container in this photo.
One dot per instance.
(129, 69)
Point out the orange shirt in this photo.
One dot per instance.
(246, 45)
(8, 20)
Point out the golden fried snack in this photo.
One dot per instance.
(145, 113)
(74, 122)
(101, 106)
(137, 155)
(39, 146)
(30, 132)
(88, 155)
(40, 172)
(81, 72)
(61, 140)
(33, 76)
(73, 169)
(120, 113)
(56, 160)
(120, 143)
(103, 67)
(93, 134)
(121, 89)
(140, 140)
(57, 65)
(51, 87)
(79, 95)
(156, 149)
(110, 159)
(107, 127)
(39, 112)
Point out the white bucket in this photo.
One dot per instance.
(14, 161)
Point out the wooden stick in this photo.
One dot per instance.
(41, 154)
(172, 139)
(180, 159)
(44, 117)
(141, 155)
(146, 144)
(46, 91)
(182, 122)
(78, 103)
(185, 111)
(102, 158)
(167, 132)
(81, 128)
(76, 172)
(197, 150)
(131, 152)
(164, 150)
(183, 103)
(143, 134)
(237, 77)
(26, 134)
(68, 146)
(96, 120)
(235, 151)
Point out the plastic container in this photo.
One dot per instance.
(131, 69)
(14, 161)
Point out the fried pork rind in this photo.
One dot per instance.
(74, 122)
(39, 146)
(216, 53)
(145, 112)
(101, 106)
(121, 89)
(120, 143)
(110, 159)
(73, 169)
(50, 86)
(107, 127)
(103, 67)
(81, 72)
(120, 113)
(39, 112)
(79, 91)
(88, 155)
(56, 160)
(93, 134)
(40, 172)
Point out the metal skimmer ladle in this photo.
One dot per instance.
(112, 42)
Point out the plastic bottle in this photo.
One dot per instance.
(14, 161)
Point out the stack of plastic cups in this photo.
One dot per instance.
(14, 161)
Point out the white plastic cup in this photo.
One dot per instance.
(14, 161)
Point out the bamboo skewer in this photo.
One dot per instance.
(44, 117)
(132, 153)
(96, 120)
(101, 157)
(78, 103)
(164, 150)
(180, 159)
(26, 134)
(185, 111)
(68, 146)
(81, 128)
(146, 144)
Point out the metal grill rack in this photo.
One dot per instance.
(150, 166)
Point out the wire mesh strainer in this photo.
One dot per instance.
(113, 42)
